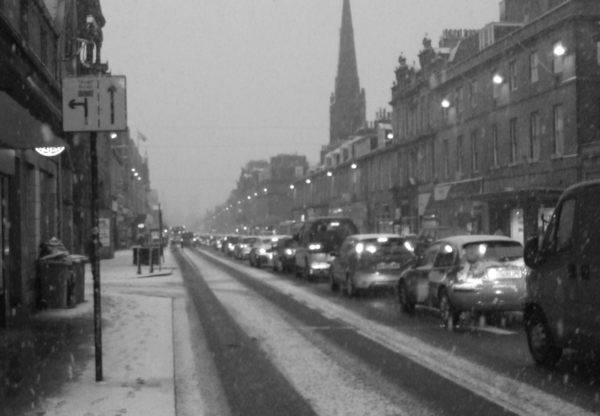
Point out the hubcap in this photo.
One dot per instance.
(538, 337)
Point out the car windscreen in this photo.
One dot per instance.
(332, 233)
(385, 246)
(491, 252)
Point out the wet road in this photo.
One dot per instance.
(282, 343)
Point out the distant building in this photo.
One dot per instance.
(347, 105)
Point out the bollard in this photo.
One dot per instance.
(151, 262)
(139, 261)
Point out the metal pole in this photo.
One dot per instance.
(94, 257)
(160, 238)
(151, 259)
(139, 259)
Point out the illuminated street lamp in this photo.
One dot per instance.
(329, 174)
(498, 79)
(308, 181)
(445, 103)
(291, 186)
(353, 166)
(559, 49)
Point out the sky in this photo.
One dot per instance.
(213, 84)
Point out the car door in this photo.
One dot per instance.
(417, 278)
(587, 259)
(558, 271)
(437, 277)
(340, 262)
(302, 249)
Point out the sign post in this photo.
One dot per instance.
(95, 103)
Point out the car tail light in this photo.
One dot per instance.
(314, 247)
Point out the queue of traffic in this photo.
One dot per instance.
(554, 281)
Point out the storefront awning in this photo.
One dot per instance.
(548, 195)
(20, 130)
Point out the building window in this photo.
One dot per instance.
(557, 63)
(514, 150)
(495, 87)
(558, 137)
(431, 160)
(533, 67)
(459, 154)
(458, 98)
(598, 52)
(534, 136)
(512, 75)
(495, 146)
(473, 87)
(474, 152)
(446, 149)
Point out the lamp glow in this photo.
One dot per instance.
(49, 151)
(498, 79)
(445, 103)
(559, 49)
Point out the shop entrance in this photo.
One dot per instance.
(3, 249)
(517, 225)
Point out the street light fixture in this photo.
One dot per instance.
(329, 174)
(498, 79)
(445, 103)
(308, 181)
(354, 166)
(291, 186)
(559, 49)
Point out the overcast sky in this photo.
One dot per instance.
(213, 84)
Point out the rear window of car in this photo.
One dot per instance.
(496, 251)
(385, 246)
(249, 240)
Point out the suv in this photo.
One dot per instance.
(563, 286)
(317, 240)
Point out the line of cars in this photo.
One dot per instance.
(554, 281)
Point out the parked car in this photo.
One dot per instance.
(284, 255)
(241, 251)
(369, 261)
(261, 251)
(477, 273)
(563, 286)
(428, 235)
(317, 239)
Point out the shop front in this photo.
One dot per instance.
(455, 204)
(519, 214)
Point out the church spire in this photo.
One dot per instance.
(348, 108)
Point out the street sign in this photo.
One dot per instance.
(94, 103)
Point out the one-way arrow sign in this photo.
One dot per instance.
(84, 104)
(103, 100)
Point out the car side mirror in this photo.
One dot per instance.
(531, 253)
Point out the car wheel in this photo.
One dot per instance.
(450, 316)
(350, 290)
(333, 285)
(296, 270)
(541, 343)
(306, 272)
(405, 303)
(257, 263)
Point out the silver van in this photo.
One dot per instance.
(563, 286)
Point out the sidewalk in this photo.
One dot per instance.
(49, 367)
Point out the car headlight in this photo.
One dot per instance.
(288, 251)
(262, 251)
(314, 247)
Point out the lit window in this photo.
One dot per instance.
(558, 130)
(533, 67)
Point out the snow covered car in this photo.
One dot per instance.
(369, 261)
(477, 273)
